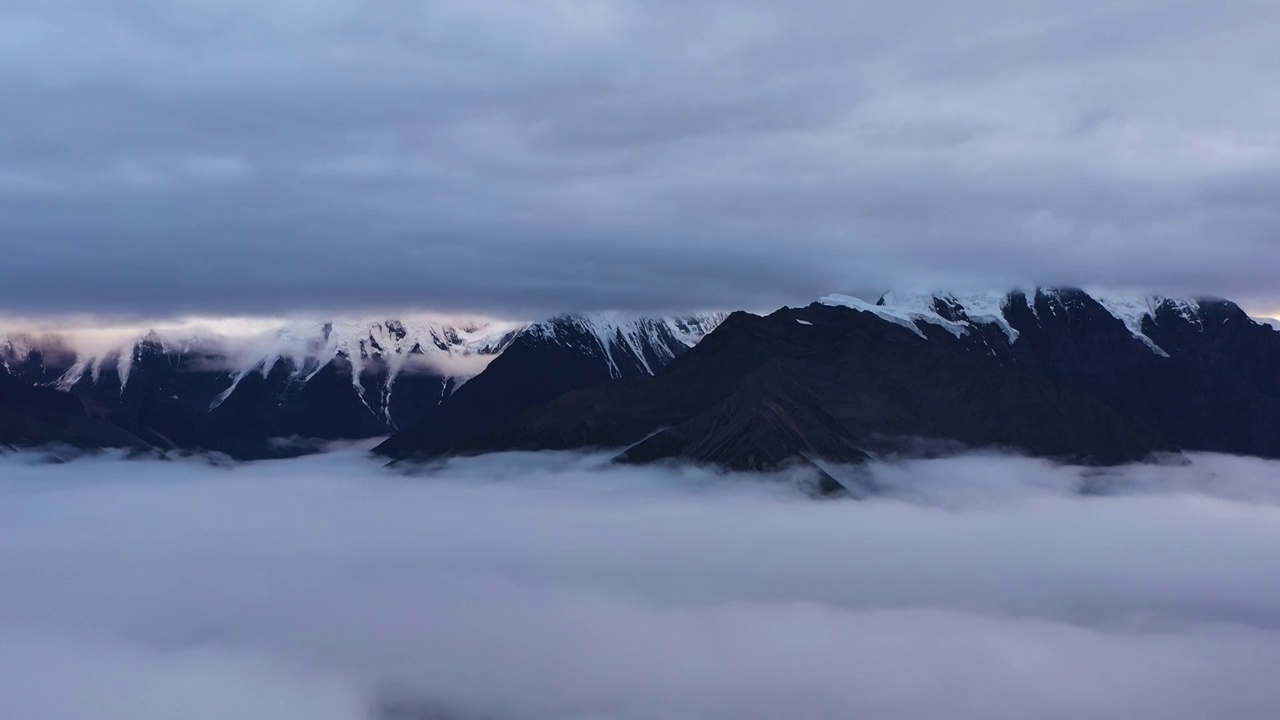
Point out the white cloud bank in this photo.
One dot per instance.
(541, 587)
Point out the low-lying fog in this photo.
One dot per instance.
(551, 587)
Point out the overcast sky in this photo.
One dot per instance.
(164, 157)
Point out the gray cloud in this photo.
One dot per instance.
(532, 587)
(517, 157)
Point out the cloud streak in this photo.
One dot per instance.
(527, 158)
(552, 587)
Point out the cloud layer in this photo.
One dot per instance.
(165, 157)
(540, 587)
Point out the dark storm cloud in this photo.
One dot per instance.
(514, 157)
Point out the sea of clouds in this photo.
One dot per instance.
(541, 587)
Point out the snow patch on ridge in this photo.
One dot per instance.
(893, 315)
(909, 309)
(921, 307)
(987, 309)
(72, 375)
(1188, 309)
(124, 366)
(1132, 311)
(637, 337)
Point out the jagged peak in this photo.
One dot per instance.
(633, 333)
(958, 312)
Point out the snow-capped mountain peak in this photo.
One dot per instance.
(959, 312)
(455, 350)
(310, 346)
(393, 341)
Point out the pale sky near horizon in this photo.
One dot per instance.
(169, 158)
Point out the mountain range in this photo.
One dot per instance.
(1052, 372)
(292, 389)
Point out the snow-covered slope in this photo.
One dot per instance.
(621, 339)
(953, 312)
(1133, 311)
(454, 349)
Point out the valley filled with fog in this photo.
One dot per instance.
(558, 586)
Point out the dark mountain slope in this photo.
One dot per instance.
(1209, 383)
(769, 422)
(547, 361)
(35, 416)
(1057, 374)
(833, 382)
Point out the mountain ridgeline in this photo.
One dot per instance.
(1056, 373)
